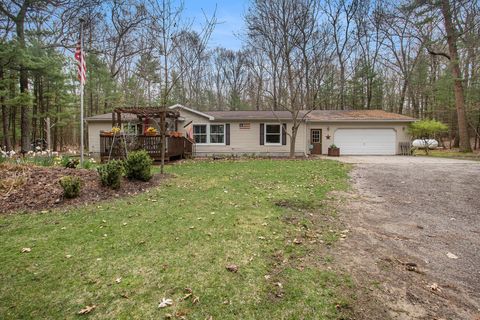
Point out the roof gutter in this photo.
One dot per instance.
(209, 117)
(312, 121)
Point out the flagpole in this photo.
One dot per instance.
(81, 98)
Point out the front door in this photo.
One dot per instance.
(316, 141)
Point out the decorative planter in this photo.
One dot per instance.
(175, 134)
(334, 152)
(107, 133)
(150, 134)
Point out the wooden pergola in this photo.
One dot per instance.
(115, 146)
(146, 113)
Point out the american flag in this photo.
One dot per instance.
(82, 66)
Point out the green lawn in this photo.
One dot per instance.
(181, 235)
(450, 154)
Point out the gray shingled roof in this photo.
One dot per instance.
(108, 117)
(316, 115)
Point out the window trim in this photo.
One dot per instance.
(208, 143)
(206, 132)
(265, 134)
(131, 125)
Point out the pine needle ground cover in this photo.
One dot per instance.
(219, 240)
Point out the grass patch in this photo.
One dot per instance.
(450, 154)
(181, 235)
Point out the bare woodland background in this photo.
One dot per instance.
(335, 54)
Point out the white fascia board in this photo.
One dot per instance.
(176, 106)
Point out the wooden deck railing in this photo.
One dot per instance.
(115, 147)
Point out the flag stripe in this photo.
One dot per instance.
(82, 66)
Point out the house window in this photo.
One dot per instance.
(209, 133)
(129, 128)
(217, 133)
(200, 133)
(272, 134)
(315, 136)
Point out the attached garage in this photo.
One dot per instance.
(366, 141)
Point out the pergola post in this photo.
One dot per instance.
(119, 119)
(163, 138)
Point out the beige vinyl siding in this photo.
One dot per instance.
(245, 141)
(329, 129)
(94, 129)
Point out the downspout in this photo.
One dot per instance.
(306, 139)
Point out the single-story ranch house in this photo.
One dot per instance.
(355, 132)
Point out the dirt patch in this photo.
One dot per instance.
(413, 245)
(31, 188)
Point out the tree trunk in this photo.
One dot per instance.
(457, 76)
(293, 138)
(402, 96)
(456, 140)
(36, 95)
(342, 86)
(24, 107)
(5, 115)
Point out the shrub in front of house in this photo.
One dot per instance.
(68, 162)
(71, 186)
(138, 166)
(111, 174)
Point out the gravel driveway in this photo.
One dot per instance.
(415, 229)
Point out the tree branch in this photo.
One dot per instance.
(443, 54)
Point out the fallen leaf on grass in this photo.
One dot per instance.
(68, 256)
(195, 299)
(188, 295)
(87, 309)
(26, 250)
(165, 303)
(118, 280)
(297, 241)
(232, 268)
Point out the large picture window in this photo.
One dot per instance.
(273, 133)
(209, 133)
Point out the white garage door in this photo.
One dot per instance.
(366, 141)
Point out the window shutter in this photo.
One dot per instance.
(262, 134)
(284, 134)
(227, 134)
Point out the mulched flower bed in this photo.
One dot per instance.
(25, 188)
